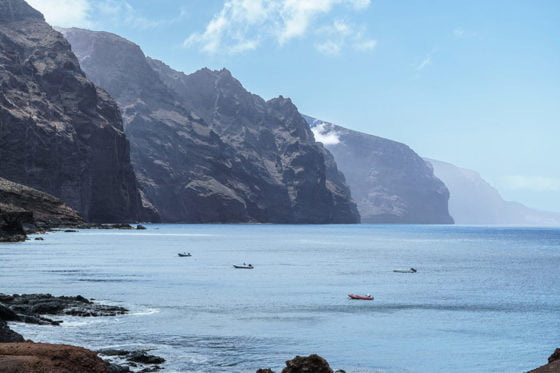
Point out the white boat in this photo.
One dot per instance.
(410, 270)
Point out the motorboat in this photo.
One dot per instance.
(410, 270)
(243, 266)
(360, 297)
(182, 255)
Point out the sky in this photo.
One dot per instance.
(475, 83)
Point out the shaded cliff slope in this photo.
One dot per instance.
(58, 132)
(48, 211)
(389, 181)
(474, 201)
(206, 150)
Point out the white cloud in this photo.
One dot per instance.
(64, 13)
(461, 33)
(340, 35)
(244, 24)
(427, 61)
(92, 13)
(533, 183)
(325, 134)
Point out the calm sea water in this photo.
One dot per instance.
(483, 300)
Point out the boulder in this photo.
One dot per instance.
(29, 357)
(7, 335)
(309, 364)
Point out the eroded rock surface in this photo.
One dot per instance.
(59, 133)
(206, 150)
(29, 357)
(31, 308)
(389, 181)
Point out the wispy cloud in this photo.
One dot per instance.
(532, 183)
(92, 13)
(427, 61)
(64, 13)
(243, 25)
(341, 35)
(461, 33)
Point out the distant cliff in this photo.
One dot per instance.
(474, 201)
(206, 150)
(389, 181)
(58, 132)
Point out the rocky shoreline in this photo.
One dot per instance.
(19, 355)
(25, 356)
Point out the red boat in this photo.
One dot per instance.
(360, 297)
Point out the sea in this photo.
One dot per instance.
(483, 299)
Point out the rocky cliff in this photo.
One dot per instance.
(58, 132)
(389, 181)
(206, 150)
(474, 201)
(23, 208)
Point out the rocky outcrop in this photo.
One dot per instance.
(389, 181)
(7, 335)
(474, 201)
(305, 364)
(58, 132)
(553, 365)
(31, 308)
(40, 209)
(312, 363)
(206, 150)
(29, 357)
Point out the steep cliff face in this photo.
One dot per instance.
(206, 150)
(474, 201)
(58, 132)
(390, 182)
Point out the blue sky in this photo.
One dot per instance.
(475, 83)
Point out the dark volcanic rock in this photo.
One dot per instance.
(206, 150)
(43, 210)
(58, 132)
(555, 356)
(312, 363)
(7, 335)
(389, 181)
(29, 308)
(553, 365)
(142, 357)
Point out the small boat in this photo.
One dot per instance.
(411, 270)
(182, 255)
(360, 297)
(244, 266)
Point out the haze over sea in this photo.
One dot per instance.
(484, 298)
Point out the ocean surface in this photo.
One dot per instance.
(484, 299)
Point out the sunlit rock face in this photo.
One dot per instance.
(474, 201)
(58, 132)
(207, 150)
(389, 181)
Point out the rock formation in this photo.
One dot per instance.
(47, 211)
(389, 181)
(474, 201)
(553, 365)
(58, 132)
(206, 150)
(29, 357)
